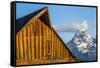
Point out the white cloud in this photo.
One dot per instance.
(84, 26)
(71, 27)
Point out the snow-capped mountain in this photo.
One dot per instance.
(83, 46)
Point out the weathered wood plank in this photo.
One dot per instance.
(25, 44)
(20, 45)
(17, 47)
(29, 43)
(32, 41)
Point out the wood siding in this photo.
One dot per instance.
(38, 44)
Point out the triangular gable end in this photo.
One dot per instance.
(52, 49)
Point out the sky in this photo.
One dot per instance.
(63, 16)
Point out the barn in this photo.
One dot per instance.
(38, 43)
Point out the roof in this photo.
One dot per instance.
(23, 20)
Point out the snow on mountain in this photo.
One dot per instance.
(83, 46)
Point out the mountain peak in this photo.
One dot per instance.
(84, 26)
(82, 45)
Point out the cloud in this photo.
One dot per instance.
(72, 27)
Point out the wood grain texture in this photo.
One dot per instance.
(37, 43)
